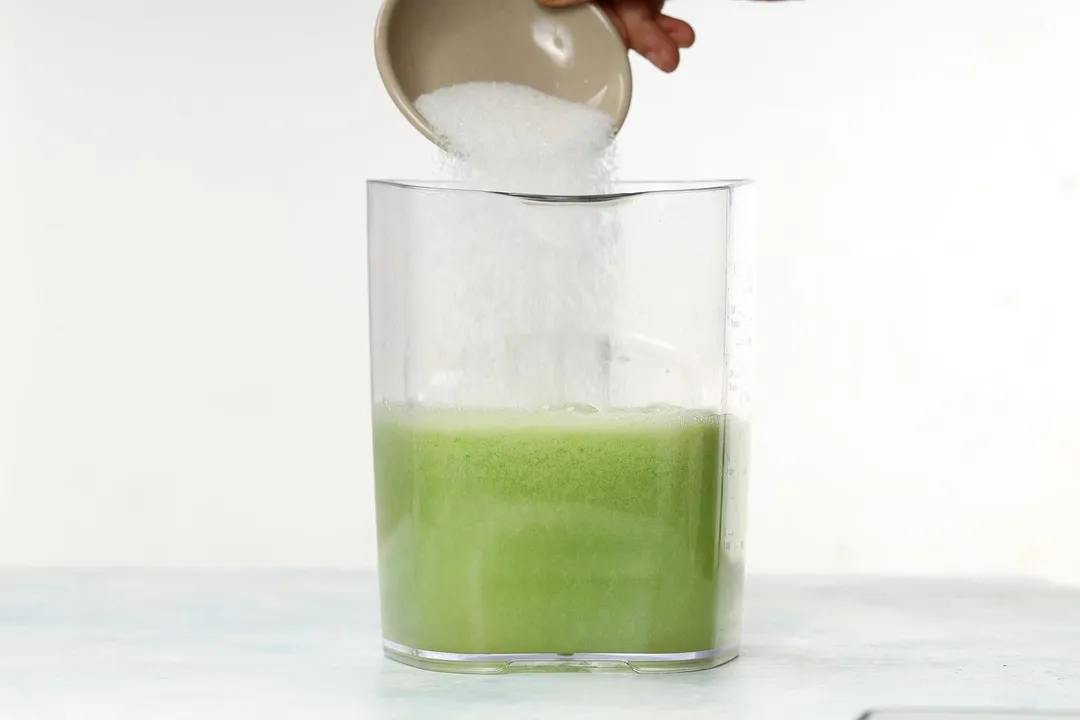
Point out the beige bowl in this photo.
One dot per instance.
(575, 53)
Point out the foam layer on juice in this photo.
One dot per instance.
(577, 417)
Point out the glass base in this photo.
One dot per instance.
(497, 664)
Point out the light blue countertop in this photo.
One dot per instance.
(305, 644)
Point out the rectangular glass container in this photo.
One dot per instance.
(561, 425)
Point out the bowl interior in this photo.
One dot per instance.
(575, 54)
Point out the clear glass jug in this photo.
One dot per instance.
(561, 418)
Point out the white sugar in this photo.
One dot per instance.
(517, 139)
(527, 284)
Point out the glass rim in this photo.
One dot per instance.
(621, 189)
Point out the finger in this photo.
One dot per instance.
(646, 37)
(617, 22)
(679, 31)
(562, 3)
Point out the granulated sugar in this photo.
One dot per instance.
(526, 283)
(514, 138)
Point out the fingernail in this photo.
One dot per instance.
(654, 58)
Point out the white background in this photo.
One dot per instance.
(183, 371)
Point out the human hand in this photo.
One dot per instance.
(645, 29)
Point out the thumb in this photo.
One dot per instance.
(563, 3)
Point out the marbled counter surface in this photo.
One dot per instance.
(305, 644)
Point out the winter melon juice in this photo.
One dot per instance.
(560, 531)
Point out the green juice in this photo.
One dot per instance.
(555, 531)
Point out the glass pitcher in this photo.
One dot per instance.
(561, 424)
